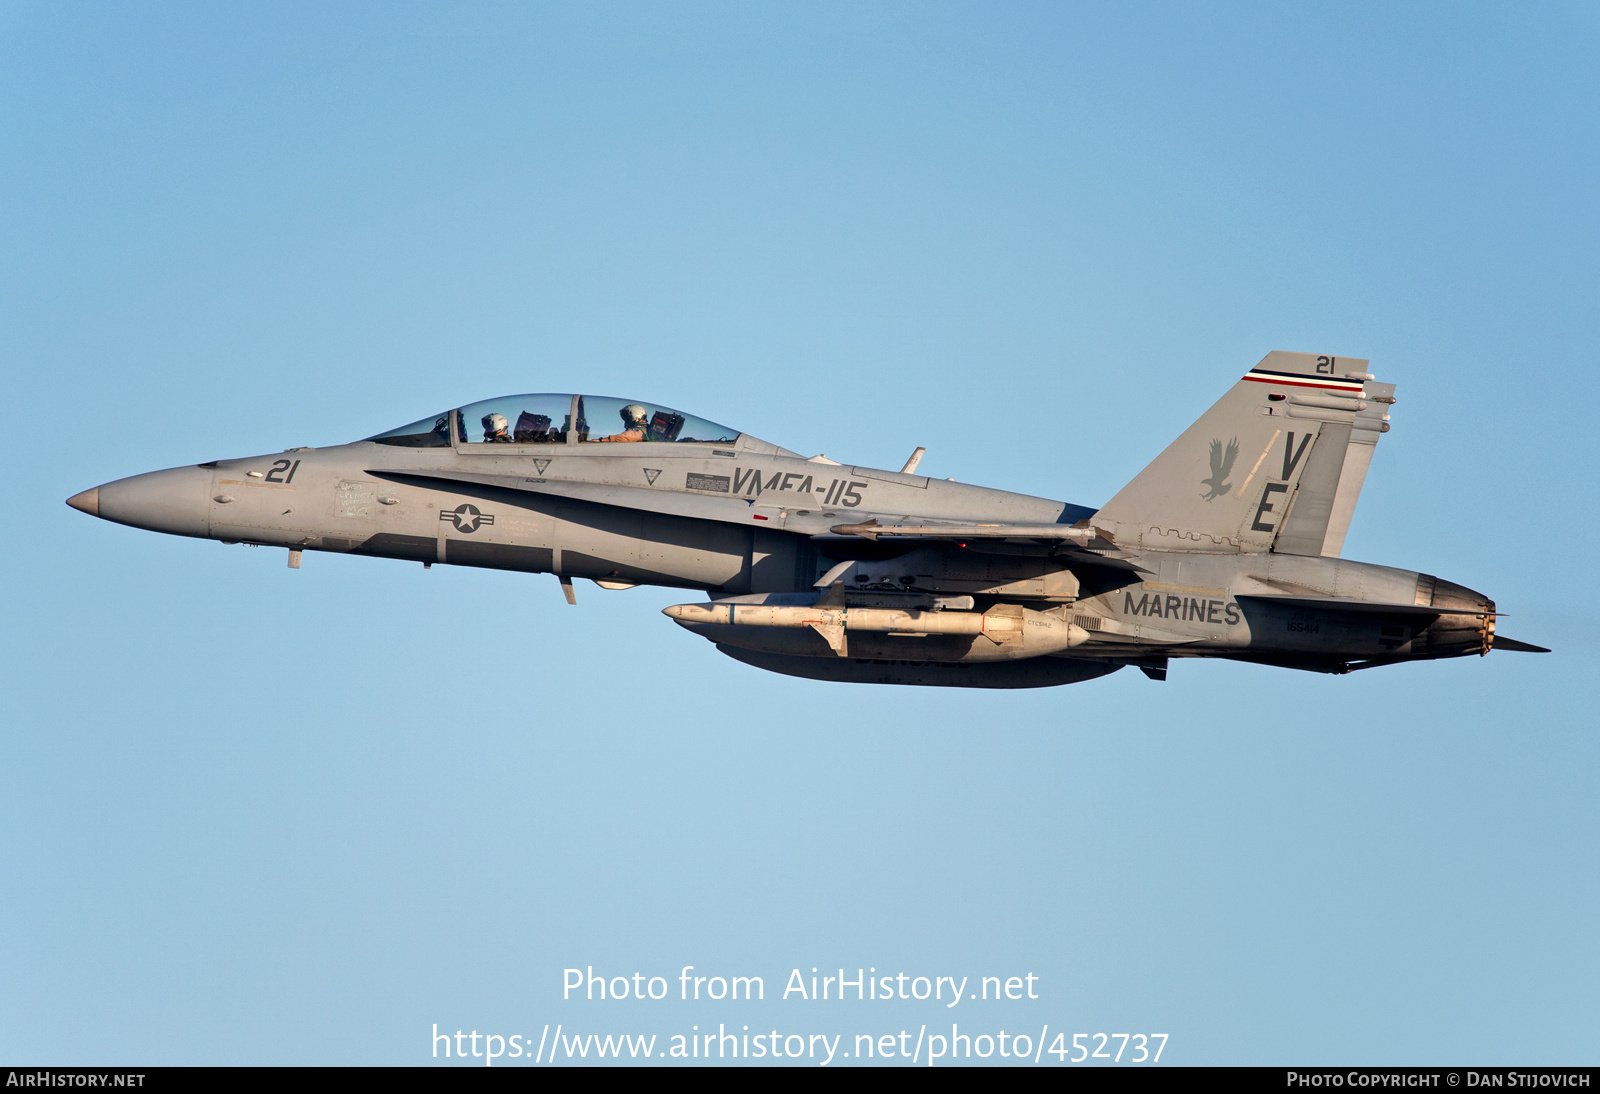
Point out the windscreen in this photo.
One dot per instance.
(431, 432)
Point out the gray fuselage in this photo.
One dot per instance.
(750, 520)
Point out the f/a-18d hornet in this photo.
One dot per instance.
(1227, 545)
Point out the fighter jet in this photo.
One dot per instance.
(1226, 545)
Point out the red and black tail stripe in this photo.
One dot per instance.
(1299, 380)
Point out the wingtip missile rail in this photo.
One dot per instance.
(872, 530)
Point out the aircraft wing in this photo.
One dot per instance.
(730, 510)
(1061, 539)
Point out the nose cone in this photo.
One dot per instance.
(690, 615)
(87, 502)
(174, 501)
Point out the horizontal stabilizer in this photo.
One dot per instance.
(1348, 604)
(1067, 542)
(1503, 643)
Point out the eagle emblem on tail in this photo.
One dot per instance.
(1221, 468)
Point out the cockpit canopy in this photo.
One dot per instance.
(547, 419)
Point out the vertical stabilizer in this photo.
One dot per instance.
(1276, 464)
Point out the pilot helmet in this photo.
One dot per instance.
(494, 423)
(634, 414)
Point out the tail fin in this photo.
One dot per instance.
(1277, 464)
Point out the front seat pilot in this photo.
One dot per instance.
(494, 429)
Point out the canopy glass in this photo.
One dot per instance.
(547, 419)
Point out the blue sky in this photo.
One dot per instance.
(257, 815)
